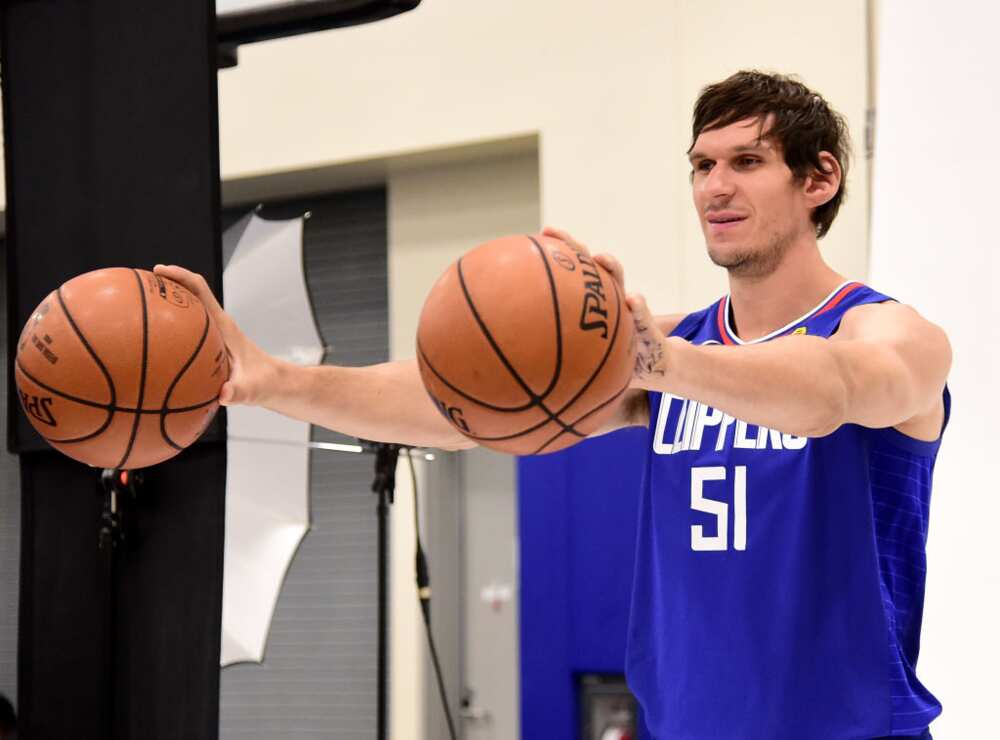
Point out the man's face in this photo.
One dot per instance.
(750, 206)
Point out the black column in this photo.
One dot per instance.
(111, 143)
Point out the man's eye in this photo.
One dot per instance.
(703, 166)
(747, 161)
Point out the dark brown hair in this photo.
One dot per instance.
(803, 125)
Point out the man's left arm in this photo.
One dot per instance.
(885, 366)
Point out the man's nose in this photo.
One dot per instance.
(718, 183)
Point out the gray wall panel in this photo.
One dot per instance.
(318, 678)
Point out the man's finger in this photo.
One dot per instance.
(613, 266)
(226, 394)
(557, 234)
(566, 237)
(193, 282)
(640, 311)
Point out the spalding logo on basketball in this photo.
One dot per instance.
(526, 345)
(120, 368)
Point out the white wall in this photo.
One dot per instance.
(480, 198)
(608, 93)
(934, 244)
(824, 43)
(438, 212)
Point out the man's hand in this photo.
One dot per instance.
(651, 345)
(385, 402)
(650, 331)
(251, 369)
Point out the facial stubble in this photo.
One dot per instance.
(753, 262)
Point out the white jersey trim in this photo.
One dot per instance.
(786, 327)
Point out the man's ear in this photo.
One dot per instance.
(821, 186)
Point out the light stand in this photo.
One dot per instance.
(118, 487)
(384, 486)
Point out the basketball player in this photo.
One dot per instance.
(792, 432)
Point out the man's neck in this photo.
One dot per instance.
(761, 305)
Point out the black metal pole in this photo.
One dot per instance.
(107, 546)
(119, 490)
(383, 627)
(384, 486)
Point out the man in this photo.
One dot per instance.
(793, 428)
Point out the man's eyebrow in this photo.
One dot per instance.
(755, 146)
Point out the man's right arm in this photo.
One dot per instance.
(383, 403)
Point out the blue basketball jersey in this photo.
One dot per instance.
(779, 580)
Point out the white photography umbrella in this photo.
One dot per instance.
(267, 474)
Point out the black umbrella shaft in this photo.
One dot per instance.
(383, 643)
(384, 486)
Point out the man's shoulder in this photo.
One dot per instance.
(667, 323)
(680, 324)
(883, 316)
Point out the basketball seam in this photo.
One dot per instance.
(106, 407)
(571, 428)
(566, 429)
(555, 309)
(173, 384)
(463, 394)
(597, 371)
(75, 440)
(107, 422)
(589, 413)
(142, 377)
(502, 409)
(536, 399)
(506, 409)
(86, 344)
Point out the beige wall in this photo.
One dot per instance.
(934, 245)
(825, 44)
(435, 212)
(608, 94)
(596, 88)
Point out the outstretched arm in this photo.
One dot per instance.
(885, 367)
(385, 402)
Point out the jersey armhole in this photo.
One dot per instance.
(895, 438)
(885, 299)
(892, 436)
(686, 324)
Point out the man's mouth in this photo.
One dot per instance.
(724, 221)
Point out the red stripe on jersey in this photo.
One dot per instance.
(847, 289)
(722, 323)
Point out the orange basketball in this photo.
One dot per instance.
(120, 368)
(526, 345)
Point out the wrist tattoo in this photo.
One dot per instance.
(648, 355)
